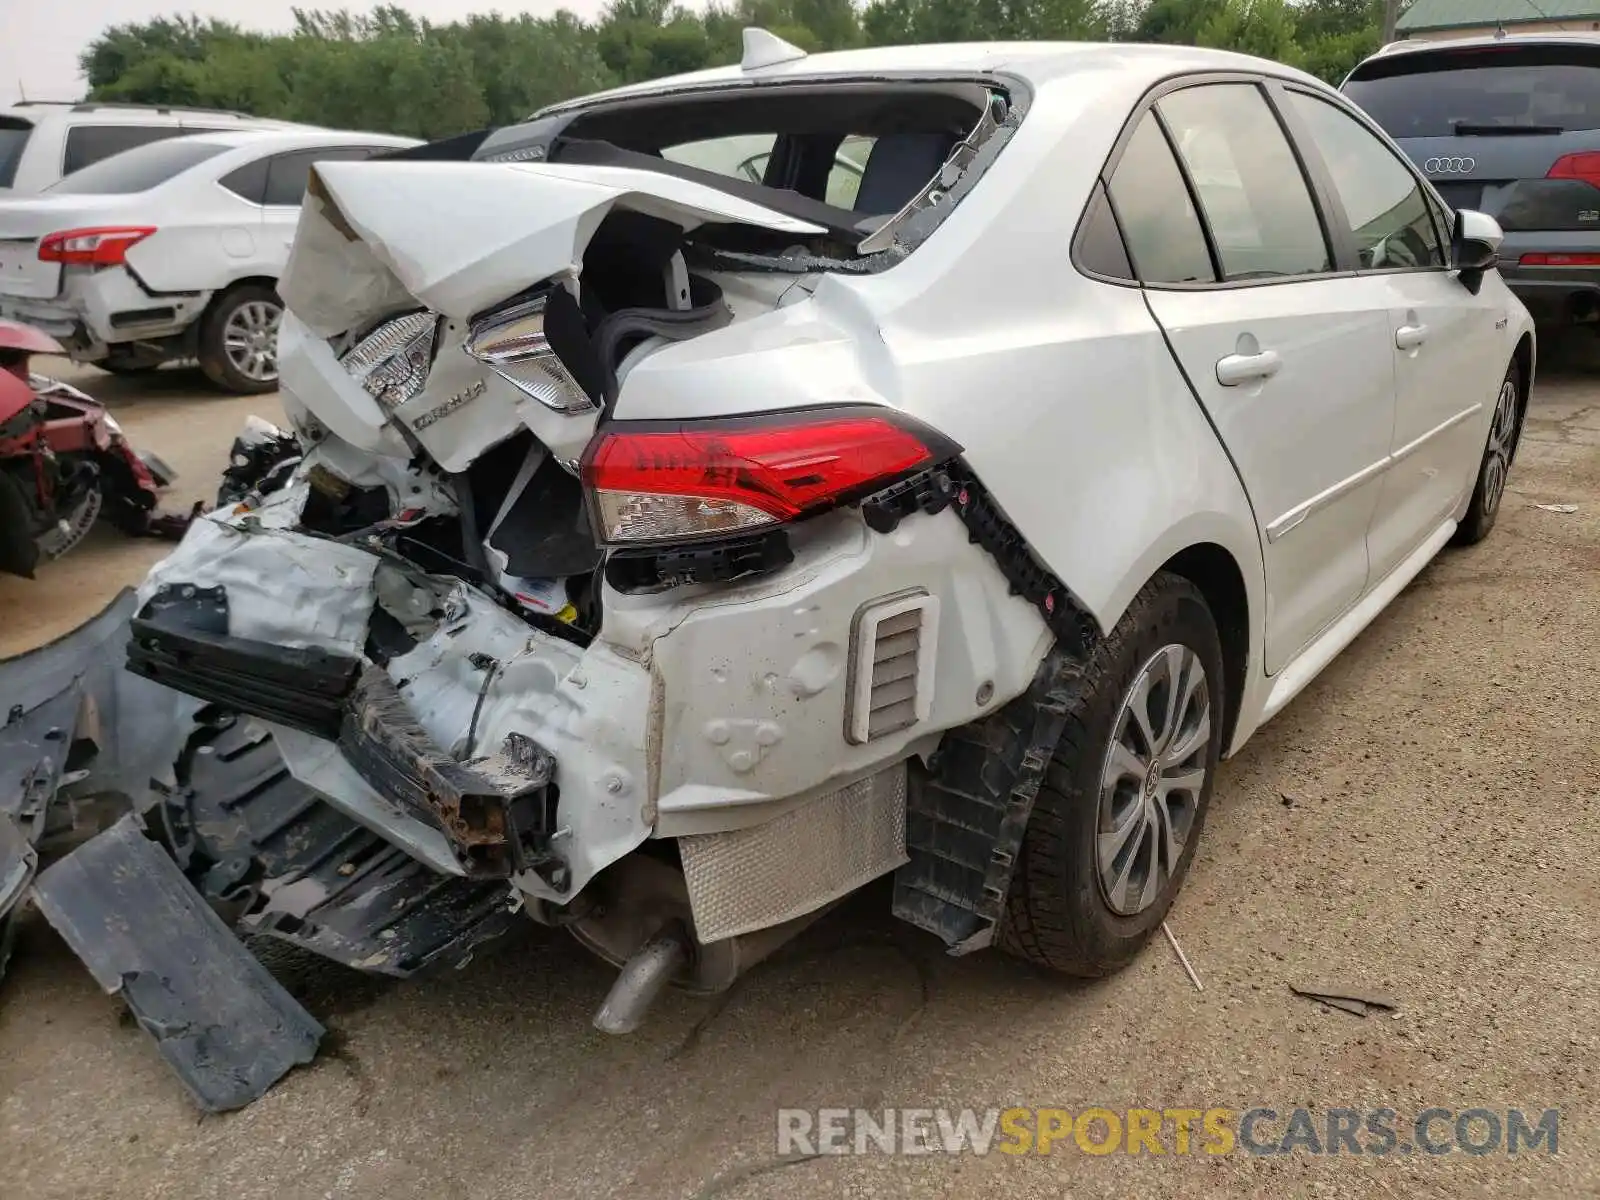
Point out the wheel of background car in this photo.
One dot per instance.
(1505, 432)
(1124, 799)
(239, 339)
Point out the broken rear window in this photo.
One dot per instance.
(867, 161)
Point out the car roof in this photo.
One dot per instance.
(39, 112)
(1036, 63)
(1581, 37)
(299, 138)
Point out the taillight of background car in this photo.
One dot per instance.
(100, 247)
(1583, 166)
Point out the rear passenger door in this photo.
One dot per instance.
(1289, 355)
(1443, 338)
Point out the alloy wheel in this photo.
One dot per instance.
(1152, 778)
(250, 339)
(1502, 443)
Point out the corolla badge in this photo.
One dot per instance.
(1449, 165)
(462, 398)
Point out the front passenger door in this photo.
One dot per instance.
(1289, 357)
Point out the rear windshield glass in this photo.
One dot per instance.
(137, 170)
(1477, 92)
(13, 137)
(848, 157)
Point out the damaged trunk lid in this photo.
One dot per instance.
(423, 257)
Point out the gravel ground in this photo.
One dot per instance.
(1419, 823)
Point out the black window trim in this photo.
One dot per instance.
(1336, 205)
(1101, 194)
(268, 157)
(240, 196)
(1336, 236)
(1213, 251)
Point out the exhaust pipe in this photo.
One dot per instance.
(643, 978)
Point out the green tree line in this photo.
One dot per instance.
(392, 71)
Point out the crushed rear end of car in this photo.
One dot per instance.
(600, 579)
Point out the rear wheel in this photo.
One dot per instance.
(1123, 801)
(1505, 431)
(239, 339)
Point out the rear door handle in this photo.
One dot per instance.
(1234, 369)
(1409, 337)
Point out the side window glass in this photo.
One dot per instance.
(90, 143)
(740, 156)
(1163, 231)
(849, 163)
(1388, 210)
(288, 174)
(1252, 190)
(1100, 247)
(248, 181)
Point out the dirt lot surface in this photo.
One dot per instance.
(1421, 822)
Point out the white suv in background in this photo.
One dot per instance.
(42, 142)
(170, 251)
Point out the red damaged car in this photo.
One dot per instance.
(64, 461)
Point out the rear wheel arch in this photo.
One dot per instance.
(266, 281)
(1215, 572)
(221, 293)
(1523, 356)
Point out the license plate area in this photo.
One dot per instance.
(22, 274)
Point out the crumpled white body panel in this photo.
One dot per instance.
(468, 235)
(283, 588)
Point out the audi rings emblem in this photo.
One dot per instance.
(1449, 166)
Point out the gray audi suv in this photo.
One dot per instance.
(1510, 126)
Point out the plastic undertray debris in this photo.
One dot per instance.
(224, 1025)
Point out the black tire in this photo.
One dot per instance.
(1487, 495)
(128, 370)
(213, 353)
(1057, 913)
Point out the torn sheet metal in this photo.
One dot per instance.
(460, 236)
(320, 766)
(220, 1020)
(283, 588)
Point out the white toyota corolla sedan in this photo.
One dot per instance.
(682, 550)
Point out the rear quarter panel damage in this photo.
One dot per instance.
(1060, 388)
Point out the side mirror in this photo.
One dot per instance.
(1474, 246)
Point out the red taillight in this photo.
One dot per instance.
(92, 247)
(655, 482)
(1583, 166)
(1560, 260)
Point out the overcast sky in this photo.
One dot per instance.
(40, 40)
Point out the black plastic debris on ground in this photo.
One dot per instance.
(221, 1021)
(74, 724)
